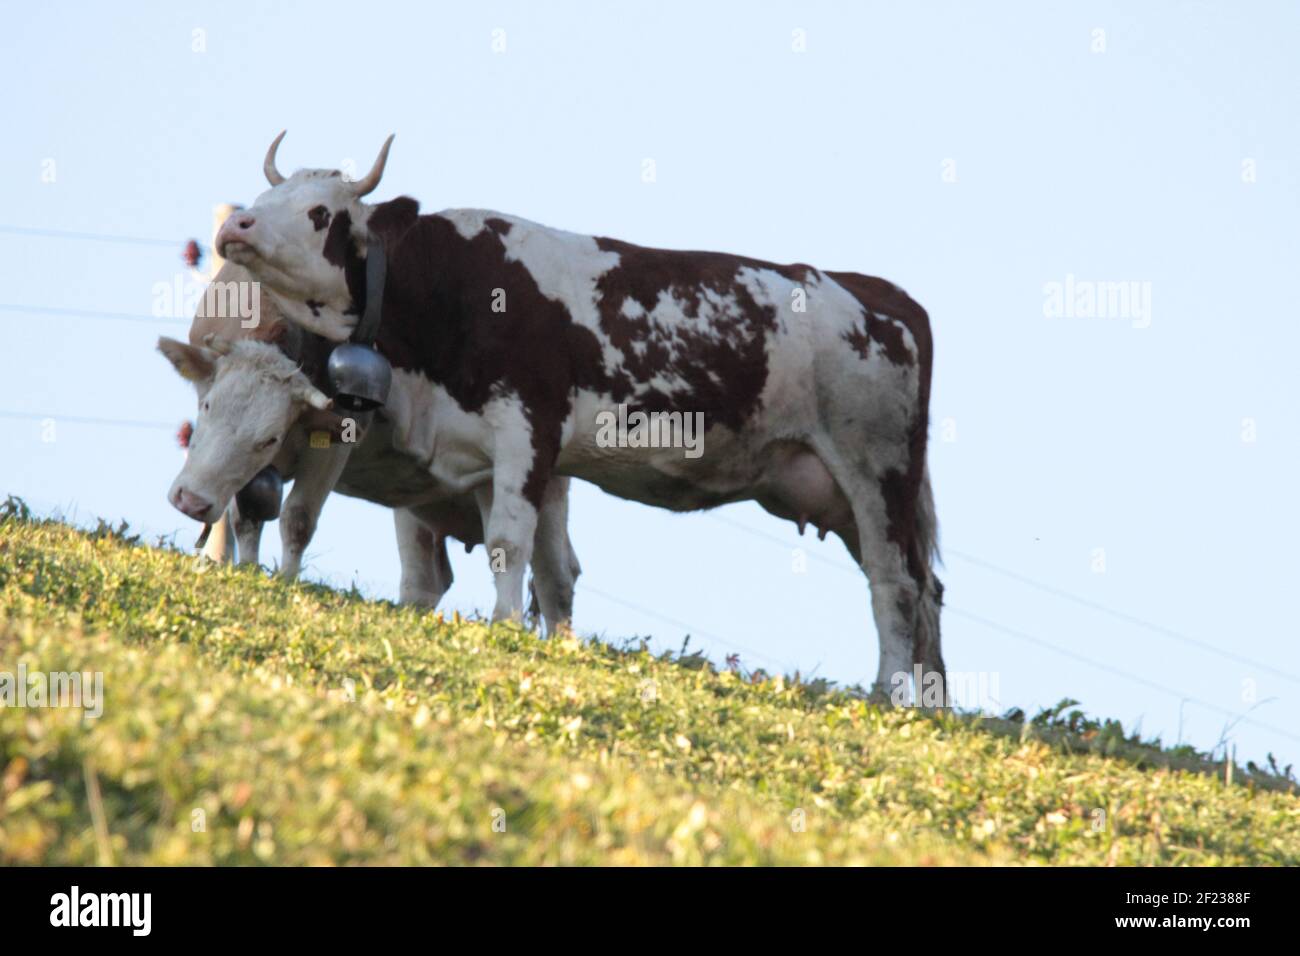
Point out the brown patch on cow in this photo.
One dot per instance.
(896, 487)
(885, 334)
(319, 216)
(392, 219)
(338, 241)
(879, 297)
(341, 250)
(721, 359)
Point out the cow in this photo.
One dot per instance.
(513, 344)
(269, 366)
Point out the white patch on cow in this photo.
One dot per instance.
(428, 425)
(329, 321)
(566, 266)
(469, 222)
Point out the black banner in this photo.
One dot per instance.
(366, 905)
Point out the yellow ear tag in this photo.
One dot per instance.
(320, 439)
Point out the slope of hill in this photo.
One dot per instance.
(249, 721)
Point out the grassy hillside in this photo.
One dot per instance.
(249, 721)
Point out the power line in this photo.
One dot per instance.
(1034, 640)
(95, 237)
(88, 314)
(1047, 645)
(1121, 615)
(1056, 592)
(84, 420)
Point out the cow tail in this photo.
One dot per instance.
(927, 650)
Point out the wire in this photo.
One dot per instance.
(88, 314)
(1048, 645)
(1055, 592)
(96, 237)
(84, 420)
(1122, 616)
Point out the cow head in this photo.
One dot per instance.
(301, 237)
(250, 394)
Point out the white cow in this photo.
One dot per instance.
(265, 393)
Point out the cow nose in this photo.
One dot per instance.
(191, 505)
(237, 228)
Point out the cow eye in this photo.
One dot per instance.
(267, 443)
(320, 217)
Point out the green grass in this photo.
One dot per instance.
(301, 725)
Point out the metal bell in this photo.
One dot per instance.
(360, 377)
(259, 500)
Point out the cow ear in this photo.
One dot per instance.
(195, 364)
(307, 393)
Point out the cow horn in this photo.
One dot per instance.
(268, 165)
(371, 180)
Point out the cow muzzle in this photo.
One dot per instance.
(235, 237)
(191, 505)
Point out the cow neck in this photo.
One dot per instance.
(424, 328)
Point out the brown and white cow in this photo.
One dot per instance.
(264, 411)
(513, 344)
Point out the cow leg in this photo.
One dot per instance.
(248, 535)
(316, 476)
(895, 556)
(220, 546)
(426, 571)
(509, 523)
(555, 565)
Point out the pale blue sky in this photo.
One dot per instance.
(1071, 435)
